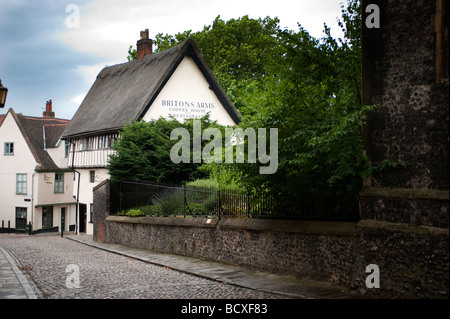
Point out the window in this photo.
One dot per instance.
(83, 144)
(106, 141)
(47, 217)
(91, 213)
(101, 142)
(59, 182)
(21, 217)
(9, 148)
(21, 184)
(92, 176)
(112, 140)
(90, 145)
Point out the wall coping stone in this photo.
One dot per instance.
(406, 228)
(165, 221)
(106, 181)
(274, 225)
(409, 193)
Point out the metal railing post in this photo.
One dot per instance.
(184, 201)
(220, 206)
(248, 205)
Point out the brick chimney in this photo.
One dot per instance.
(144, 45)
(48, 113)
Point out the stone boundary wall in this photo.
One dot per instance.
(314, 250)
(101, 210)
(413, 260)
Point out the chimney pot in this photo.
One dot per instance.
(48, 106)
(144, 35)
(49, 110)
(144, 45)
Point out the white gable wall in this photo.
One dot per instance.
(57, 153)
(23, 162)
(40, 186)
(187, 95)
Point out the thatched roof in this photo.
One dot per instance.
(124, 92)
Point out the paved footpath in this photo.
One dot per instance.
(78, 267)
(13, 284)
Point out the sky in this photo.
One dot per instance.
(54, 49)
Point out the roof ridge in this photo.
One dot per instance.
(125, 92)
(43, 118)
(41, 156)
(18, 119)
(61, 124)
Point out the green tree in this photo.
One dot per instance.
(314, 101)
(132, 54)
(237, 51)
(143, 153)
(309, 89)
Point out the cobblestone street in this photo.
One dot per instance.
(44, 258)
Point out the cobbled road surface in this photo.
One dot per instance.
(105, 275)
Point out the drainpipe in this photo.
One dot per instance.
(78, 201)
(78, 187)
(43, 134)
(32, 198)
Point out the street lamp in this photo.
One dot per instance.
(3, 93)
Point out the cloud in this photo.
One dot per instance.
(78, 99)
(90, 72)
(41, 58)
(34, 64)
(109, 27)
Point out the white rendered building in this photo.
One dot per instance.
(176, 82)
(36, 185)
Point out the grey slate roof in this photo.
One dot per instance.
(124, 92)
(32, 129)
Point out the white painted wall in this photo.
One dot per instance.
(69, 216)
(46, 195)
(86, 195)
(58, 154)
(40, 186)
(187, 94)
(21, 162)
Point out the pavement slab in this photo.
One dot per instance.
(13, 283)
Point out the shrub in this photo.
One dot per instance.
(203, 183)
(150, 210)
(169, 202)
(131, 213)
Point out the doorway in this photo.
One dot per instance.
(47, 217)
(21, 217)
(83, 211)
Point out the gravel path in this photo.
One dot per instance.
(103, 275)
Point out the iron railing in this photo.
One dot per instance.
(157, 199)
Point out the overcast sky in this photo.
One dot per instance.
(43, 56)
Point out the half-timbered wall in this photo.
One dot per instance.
(92, 151)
